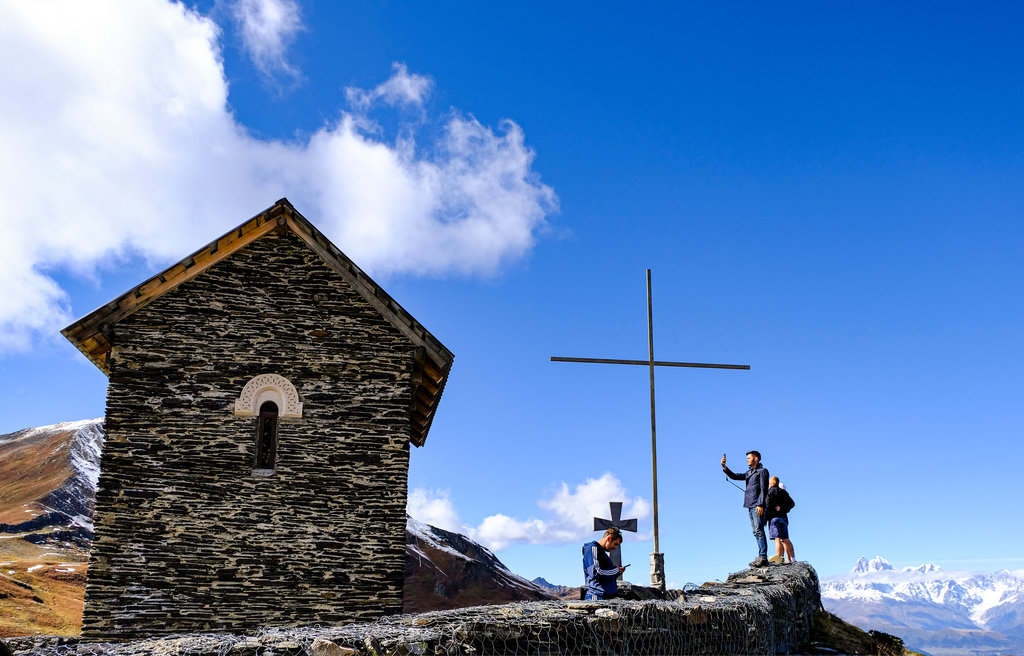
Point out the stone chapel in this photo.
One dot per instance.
(262, 397)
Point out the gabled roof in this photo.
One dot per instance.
(90, 334)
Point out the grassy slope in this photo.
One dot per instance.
(40, 592)
(29, 470)
(41, 586)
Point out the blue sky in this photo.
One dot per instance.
(831, 193)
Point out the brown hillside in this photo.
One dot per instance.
(41, 595)
(30, 468)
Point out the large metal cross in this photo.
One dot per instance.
(657, 558)
(601, 524)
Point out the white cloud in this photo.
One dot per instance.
(572, 516)
(590, 499)
(401, 89)
(433, 507)
(268, 28)
(117, 140)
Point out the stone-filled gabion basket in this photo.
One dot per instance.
(760, 611)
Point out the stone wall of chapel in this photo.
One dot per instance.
(187, 538)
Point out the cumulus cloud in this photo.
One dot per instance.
(571, 515)
(117, 140)
(268, 28)
(433, 507)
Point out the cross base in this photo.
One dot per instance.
(658, 571)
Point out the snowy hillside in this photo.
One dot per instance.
(49, 475)
(448, 570)
(933, 610)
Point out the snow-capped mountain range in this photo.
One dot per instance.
(937, 611)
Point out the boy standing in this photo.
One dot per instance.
(779, 505)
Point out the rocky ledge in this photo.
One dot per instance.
(757, 611)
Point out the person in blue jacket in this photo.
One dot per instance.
(599, 573)
(755, 499)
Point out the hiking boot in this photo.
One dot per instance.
(775, 560)
(761, 561)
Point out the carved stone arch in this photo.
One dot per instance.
(269, 387)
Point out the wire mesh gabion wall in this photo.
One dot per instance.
(767, 611)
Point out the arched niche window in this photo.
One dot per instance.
(270, 398)
(266, 438)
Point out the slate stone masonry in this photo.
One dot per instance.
(188, 539)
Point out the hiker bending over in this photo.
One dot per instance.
(599, 573)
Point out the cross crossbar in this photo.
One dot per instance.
(656, 363)
(601, 524)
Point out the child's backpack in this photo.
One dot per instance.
(787, 502)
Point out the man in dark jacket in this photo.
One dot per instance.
(754, 500)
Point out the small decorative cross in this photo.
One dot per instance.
(601, 524)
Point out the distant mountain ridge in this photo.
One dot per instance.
(48, 481)
(48, 478)
(448, 570)
(558, 591)
(943, 613)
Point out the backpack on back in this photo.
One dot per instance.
(787, 501)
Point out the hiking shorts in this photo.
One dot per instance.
(778, 529)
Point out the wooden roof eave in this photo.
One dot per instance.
(90, 334)
(423, 423)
